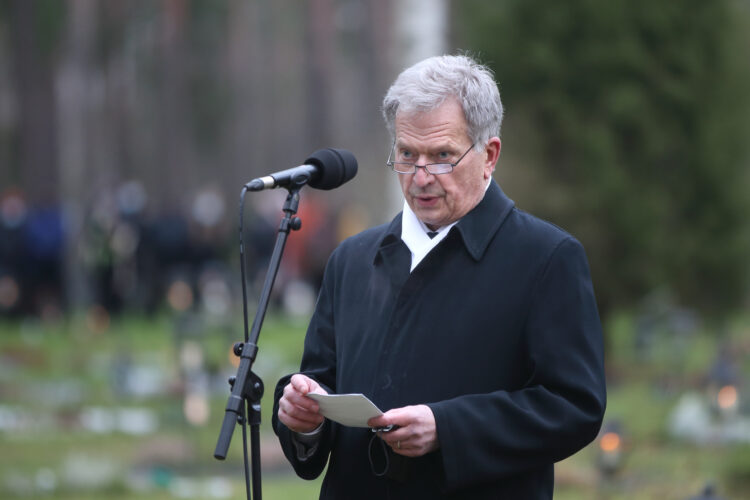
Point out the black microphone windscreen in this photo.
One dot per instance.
(335, 167)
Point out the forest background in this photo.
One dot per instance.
(127, 129)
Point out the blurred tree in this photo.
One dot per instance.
(75, 77)
(35, 29)
(319, 60)
(640, 114)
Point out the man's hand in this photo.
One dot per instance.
(416, 434)
(296, 410)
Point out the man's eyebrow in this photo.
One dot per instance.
(437, 148)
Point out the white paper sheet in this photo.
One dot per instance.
(353, 410)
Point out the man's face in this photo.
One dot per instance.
(440, 136)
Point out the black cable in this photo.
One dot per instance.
(242, 419)
(242, 263)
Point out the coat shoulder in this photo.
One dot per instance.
(526, 228)
(364, 243)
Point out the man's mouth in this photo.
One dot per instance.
(426, 200)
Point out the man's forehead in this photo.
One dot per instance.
(434, 146)
(447, 114)
(448, 132)
(449, 105)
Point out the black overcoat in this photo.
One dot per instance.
(496, 330)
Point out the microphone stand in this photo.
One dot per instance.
(246, 387)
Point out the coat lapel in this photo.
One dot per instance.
(394, 255)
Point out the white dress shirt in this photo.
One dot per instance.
(414, 235)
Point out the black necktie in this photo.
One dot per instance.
(432, 234)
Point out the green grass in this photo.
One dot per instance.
(38, 359)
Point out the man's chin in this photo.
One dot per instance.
(431, 222)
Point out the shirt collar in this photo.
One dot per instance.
(414, 234)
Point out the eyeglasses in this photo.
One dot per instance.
(431, 168)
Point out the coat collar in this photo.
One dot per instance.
(477, 228)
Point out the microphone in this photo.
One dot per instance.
(325, 169)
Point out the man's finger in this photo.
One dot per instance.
(301, 383)
(398, 416)
(298, 412)
(297, 424)
(294, 397)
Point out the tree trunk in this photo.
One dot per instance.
(37, 158)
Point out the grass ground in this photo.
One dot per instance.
(49, 373)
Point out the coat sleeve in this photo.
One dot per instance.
(318, 363)
(485, 437)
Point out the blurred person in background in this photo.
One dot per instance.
(472, 322)
(31, 257)
(14, 283)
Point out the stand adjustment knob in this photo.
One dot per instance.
(237, 348)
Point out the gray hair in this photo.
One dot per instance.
(427, 84)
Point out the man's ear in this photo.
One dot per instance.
(492, 155)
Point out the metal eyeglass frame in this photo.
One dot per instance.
(426, 166)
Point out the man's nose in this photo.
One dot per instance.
(422, 177)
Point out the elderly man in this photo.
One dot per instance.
(472, 322)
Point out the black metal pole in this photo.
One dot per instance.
(246, 386)
(254, 412)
